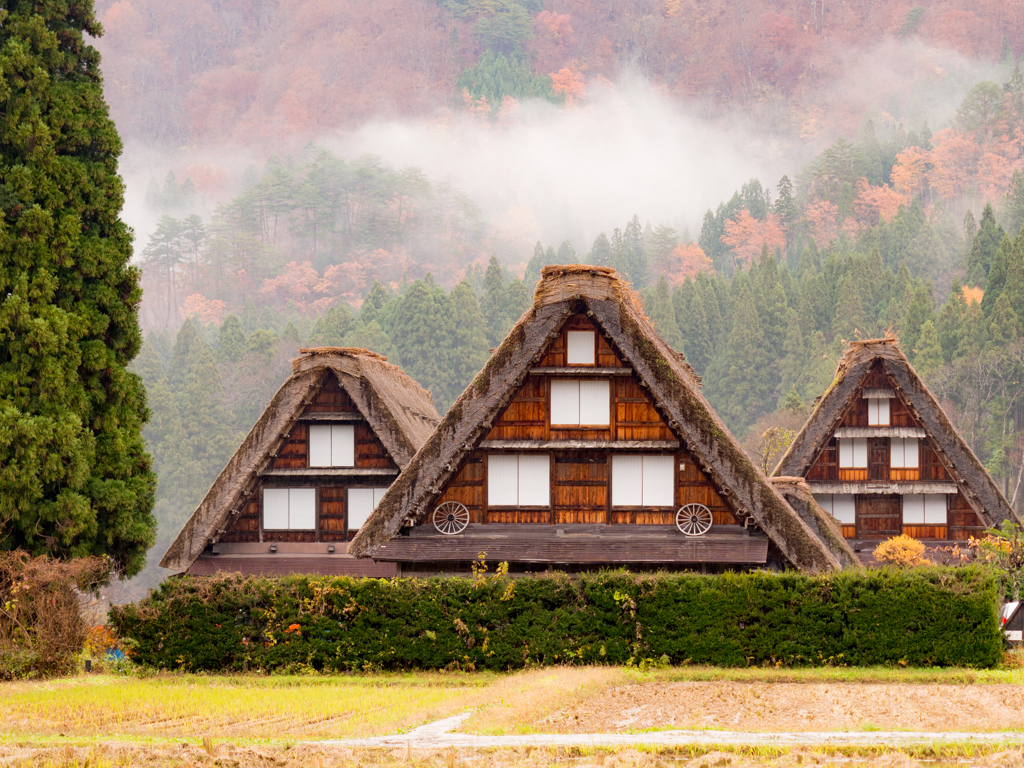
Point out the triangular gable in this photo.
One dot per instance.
(399, 411)
(862, 360)
(670, 382)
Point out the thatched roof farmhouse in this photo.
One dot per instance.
(310, 471)
(585, 441)
(879, 453)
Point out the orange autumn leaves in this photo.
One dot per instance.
(686, 260)
(960, 163)
(307, 290)
(747, 235)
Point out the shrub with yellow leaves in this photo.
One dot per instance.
(902, 551)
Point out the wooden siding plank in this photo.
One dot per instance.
(332, 399)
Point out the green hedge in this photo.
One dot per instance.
(920, 617)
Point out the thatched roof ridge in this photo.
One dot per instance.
(674, 389)
(400, 412)
(856, 363)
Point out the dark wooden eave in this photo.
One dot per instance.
(901, 488)
(339, 416)
(917, 432)
(571, 545)
(579, 371)
(580, 445)
(331, 472)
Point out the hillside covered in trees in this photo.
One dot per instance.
(204, 72)
(900, 131)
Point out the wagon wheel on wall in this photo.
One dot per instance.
(451, 518)
(694, 519)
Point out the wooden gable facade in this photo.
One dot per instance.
(584, 444)
(580, 458)
(311, 471)
(882, 458)
(337, 515)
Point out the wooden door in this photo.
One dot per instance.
(878, 517)
(580, 489)
(878, 458)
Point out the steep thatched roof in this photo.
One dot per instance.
(855, 365)
(674, 389)
(400, 412)
(798, 493)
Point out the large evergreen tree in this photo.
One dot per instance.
(983, 248)
(75, 478)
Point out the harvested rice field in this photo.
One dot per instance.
(189, 720)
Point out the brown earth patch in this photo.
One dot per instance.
(226, 755)
(792, 707)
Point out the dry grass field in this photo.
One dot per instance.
(97, 721)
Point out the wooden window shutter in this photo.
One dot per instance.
(302, 509)
(658, 485)
(565, 401)
(935, 509)
(343, 445)
(853, 452)
(502, 480)
(878, 412)
(275, 508)
(580, 347)
(360, 506)
(534, 480)
(913, 509)
(595, 403)
(627, 480)
(844, 508)
(320, 445)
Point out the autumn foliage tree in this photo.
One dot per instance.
(747, 235)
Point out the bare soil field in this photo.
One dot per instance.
(255, 721)
(792, 707)
(184, 755)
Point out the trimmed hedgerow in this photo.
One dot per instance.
(920, 617)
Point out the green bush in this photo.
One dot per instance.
(920, 617)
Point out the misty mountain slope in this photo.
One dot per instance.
(254, 74)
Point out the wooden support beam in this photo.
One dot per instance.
(331, 472)
(579, 371)
(868, 487)
(580, 445)
(336, 416)
(917, 432)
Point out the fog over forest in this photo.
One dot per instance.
(775, 179)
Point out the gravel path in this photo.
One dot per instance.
(442, 734)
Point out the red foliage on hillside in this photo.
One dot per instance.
(197, 71)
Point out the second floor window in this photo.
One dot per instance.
(853, 453)
(332, 445)
(581, 402)
(904, 453)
